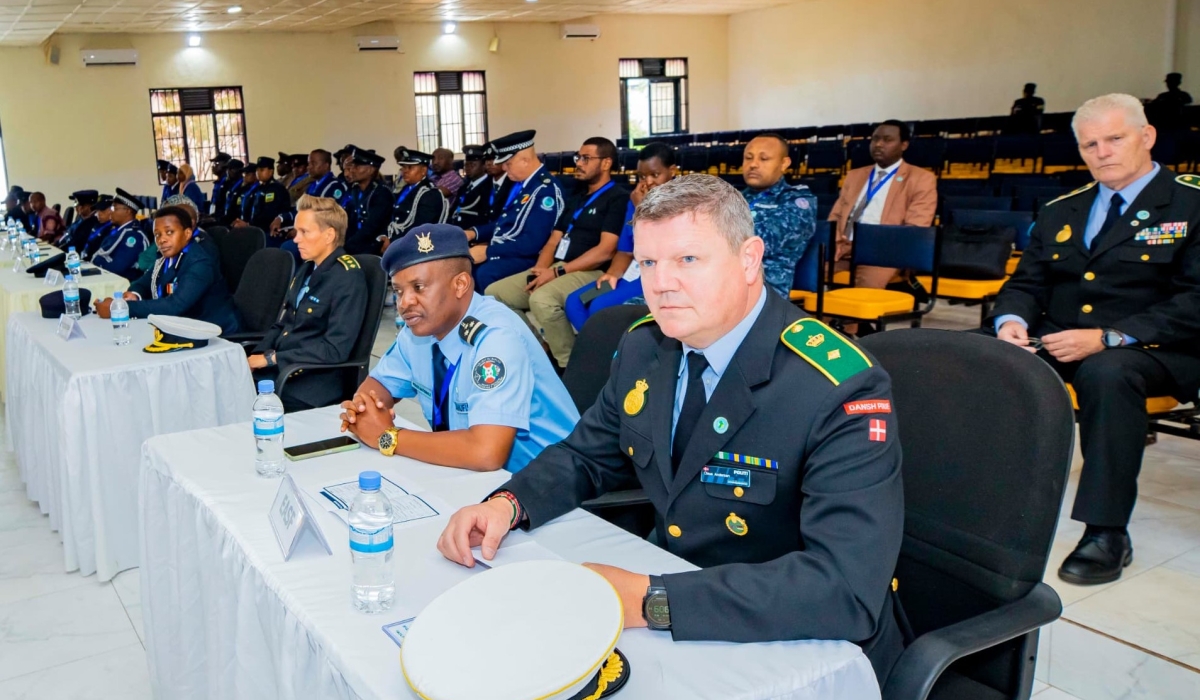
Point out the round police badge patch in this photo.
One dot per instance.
(548, 203)
(131, 241)
(802, 202)
(488, 373)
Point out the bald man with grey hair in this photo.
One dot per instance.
(1110, 283)
(735, 413)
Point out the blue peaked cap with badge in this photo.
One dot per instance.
(423, 244)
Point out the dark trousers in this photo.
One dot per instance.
(1112, 387)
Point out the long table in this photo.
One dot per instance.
(226, 617)
(78, 412)
(20, 291)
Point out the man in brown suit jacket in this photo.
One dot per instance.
(890, 192)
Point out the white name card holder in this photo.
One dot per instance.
(69, 328)
(53, 277)
(291, 519)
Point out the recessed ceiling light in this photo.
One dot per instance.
(449, 27)
(194, 40)
(234, 9)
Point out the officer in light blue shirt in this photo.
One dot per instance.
(483, 381)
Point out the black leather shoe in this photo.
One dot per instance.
(1097, 559)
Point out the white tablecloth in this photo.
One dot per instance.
(78, 412)
(20, 291)
(226, 617)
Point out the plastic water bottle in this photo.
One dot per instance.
(35, 253)
(71, 298)
(268, 431)
(73, 262)
(373, 578)
(119, 312)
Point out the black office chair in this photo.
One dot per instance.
(354, 370)
(987, 432)
(585, 377)
(69, 216)
(237, 246)
(260, 293)
(587, 370)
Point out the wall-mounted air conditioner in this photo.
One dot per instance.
(378, 43)
(109, 57)
(580, 31)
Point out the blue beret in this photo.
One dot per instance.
(423, 244)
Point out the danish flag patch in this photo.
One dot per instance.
(878, 432)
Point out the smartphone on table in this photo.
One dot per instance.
(320, 448)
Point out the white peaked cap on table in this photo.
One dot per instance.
(527, 631)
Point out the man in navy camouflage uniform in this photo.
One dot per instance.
(785, 217)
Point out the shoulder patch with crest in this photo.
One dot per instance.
(348, 262)
(470, 329)
(1072, 193)
(1189, 180)
(648, 318)
(825, 349)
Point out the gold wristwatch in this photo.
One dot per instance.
(387, 442)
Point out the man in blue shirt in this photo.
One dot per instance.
(483, 381)
(1110, 283)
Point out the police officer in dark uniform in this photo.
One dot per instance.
(168, 173)
(85, 222)
(323, 310)
(245, 182)
(502, 184)
(322, 183)
(513, 241)
(418, 201)
(103, 213)
(368, 202)
(267, 201)
(472, 206)
(764, 440)
(185, 280)
(220, 190)
(119, 251)
(1110, 284)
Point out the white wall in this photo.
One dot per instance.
(847, 61)
(67, 127)
(1187, 44)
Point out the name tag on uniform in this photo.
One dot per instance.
(725, 476)
(461, 407)
(560, 253)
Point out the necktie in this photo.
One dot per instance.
(694, 401)
(1114, 213)
(441, 419)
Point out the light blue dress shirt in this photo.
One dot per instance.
(1095, 220)
(504, 378)
(719, 355)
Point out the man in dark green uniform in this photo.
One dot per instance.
(1110, 283)
(764, 440)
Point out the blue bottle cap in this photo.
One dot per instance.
(71, 249)
(118, 295)
(266, 386)
(368, 481)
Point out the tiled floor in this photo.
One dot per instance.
(63, 636)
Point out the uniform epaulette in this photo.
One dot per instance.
(470, 329)
(1189, 181)
(648, 318)
(1072, 193)
(348, 262)
(825, 349)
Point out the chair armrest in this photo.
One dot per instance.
(918, 668)
(286, 371)
(613, 499)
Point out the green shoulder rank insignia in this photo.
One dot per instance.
(470, 328)
(648, 318)
(348, 262)
(1072, 193)
(1189, 180)
(825, 349)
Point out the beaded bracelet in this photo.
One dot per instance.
(512, 501)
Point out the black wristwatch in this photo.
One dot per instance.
(655, 608)
(1112, 338)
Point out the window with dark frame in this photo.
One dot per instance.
(192, 124)
(451, 109)
(654, 97)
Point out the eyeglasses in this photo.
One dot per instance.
(581, 159)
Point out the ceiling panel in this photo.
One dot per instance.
(26, 22)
